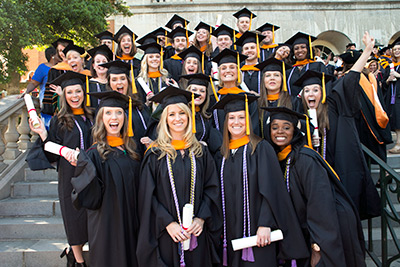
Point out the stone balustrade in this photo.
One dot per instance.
(15, 134)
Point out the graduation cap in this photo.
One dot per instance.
(174, 95)
(350, 44)
(350, 56)
(395, 42)
(283, 113)
(236, 102)
(103, 50)
(244, 12)
(251, 37)
(383, 49)
(201, 79)
(269, 27)
(106, 35)
(179, 32)
(177, 20)
(148, 38)
(72, 47)
(273, 64)
(193, 51)
(120, 67)
(61, 40)
(115, 99)
(160, 32)
(230, 56)
(151, 48)
(205, 26)
(224, 30)
(123, 30)
(372, 58)
(313, 77)
(302, 38)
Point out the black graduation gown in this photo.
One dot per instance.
(270, 206)
(325, 211)
(75, 222)
(393, 99)
(135, 62)
(157, 209)
(344, 151)
(266, 53)
(295, 73)
(50, 99)
(154, 84)
(108, 190)
(174, 68)
(140, 119)
(95, 86)
(253, 80)
(207, 133)
(169, 51)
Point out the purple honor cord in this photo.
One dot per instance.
(204, 128)
(82, 145)
(193, 240)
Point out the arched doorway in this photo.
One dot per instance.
(394, 37)
(332, 41)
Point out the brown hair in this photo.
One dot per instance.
(135, 97)
(206, 103)
(119, 49)
(209, 48)
(322, 113)
(99, 134)
(92, 70)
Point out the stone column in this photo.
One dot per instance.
(11, 136)
(2, 148)
(23, 128)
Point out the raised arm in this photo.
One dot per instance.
(369, 43)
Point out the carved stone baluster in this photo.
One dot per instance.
(23, 128)
(11, 136)
(2, 148)
(34, 136)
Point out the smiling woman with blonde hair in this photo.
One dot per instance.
(178, 171)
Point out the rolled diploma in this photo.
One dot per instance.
(187, 218)
(247, 242)
(219, 20)
(144, 85)
(313, 116)
(58, 149)
(31, 110)
(214, 73)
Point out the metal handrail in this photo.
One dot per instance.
(389, 215)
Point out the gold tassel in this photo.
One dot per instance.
(130, 130)
(251, 18)
(247, 115)
(134, 90)
(84, 55)
(311, 52)
(323, 89)
(209, 36)
(258, 46)
(234, 40)
(193, 115)
(187, 36)
(162, 57)
(273, 34)
(87, 92)
(238, 67)
(213, 89)
(202, 62)
(308, 131)
(284, 88)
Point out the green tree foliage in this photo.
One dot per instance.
(25, 23)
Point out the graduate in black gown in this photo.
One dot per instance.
(105, 184)
(203, 42)
(71, 127)
(326, 213)
(302, 53)
(274, 91)
(119, 80)
(173, 23)
(268, 45)
(99, 55)
(126, 50)
(254, 198)
(199, 84)
(176, 171)
(339, 143)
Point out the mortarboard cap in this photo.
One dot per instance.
(147, 39)
(69, 78)
(350, 56)
(192, 51)
(395, 42)
(160, 32)
(224, 30)
(61, 40)
(198, 79)
(268, 27)
(151, 48)
(106, 35)
(229, 56)
(350, 44)
(123, 30)
(179, 32)
(272, 64)
(249, 37)
(72, 47)
(205, 26)
(103, 50)
(300, 38)
(313, 77)
(244, 12)
(176, 20)
(117, 67)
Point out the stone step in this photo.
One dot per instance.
(377, 244)
(375, 173)
(393, 160)
(35, 189)
(31, 228)
(45, 175)
(34, 207)
(35, 253)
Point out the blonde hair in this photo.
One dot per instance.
(322, 112)
(81, 56)
(99, 135)
(163, 141)
(221, 83)
(144, 69)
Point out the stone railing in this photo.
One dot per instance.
(15, 134)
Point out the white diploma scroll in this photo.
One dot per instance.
(144, 86)
(31, 110)
(247, 242)
(391, 65)
(59, 149)
(314, 120)
(187, 219)
(219, 20)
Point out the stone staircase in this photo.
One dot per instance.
(31, 228)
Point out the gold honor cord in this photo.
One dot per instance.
(247, 116)
(87, 92)
(284, 88)
(193, 115)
